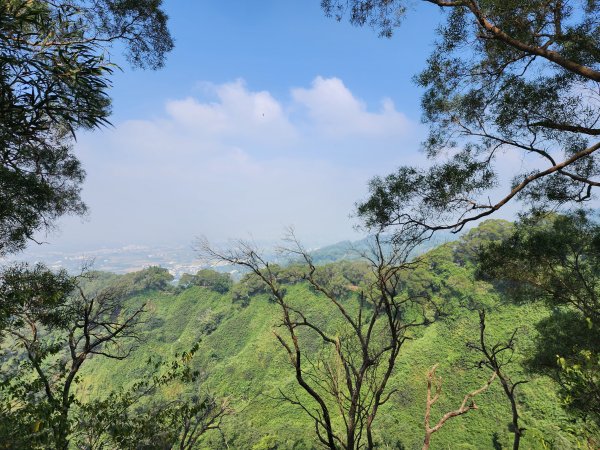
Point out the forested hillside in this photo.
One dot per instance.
(241, 360)
(407, 341)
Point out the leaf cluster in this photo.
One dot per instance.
(556, 259)
(54, 78)
(505, 78)
(211, 279)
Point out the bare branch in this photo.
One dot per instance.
(467, 404)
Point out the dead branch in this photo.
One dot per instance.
(467, 404)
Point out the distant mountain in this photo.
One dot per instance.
(349, 250)
(180, 259)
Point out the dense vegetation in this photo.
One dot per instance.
(241, 360)
(55, 73)
(101, 361)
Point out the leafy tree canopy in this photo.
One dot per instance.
(151, 278)
(36, 290)
(505, 77)
(218, 282)
(54, 79)
(55, 325)
(556, 258)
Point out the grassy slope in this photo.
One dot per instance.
(243, 361)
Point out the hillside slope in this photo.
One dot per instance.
(241, 359)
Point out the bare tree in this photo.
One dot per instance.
(496, 358)
(467, 404)
(58, 338)
(196, 419)
(347, 381)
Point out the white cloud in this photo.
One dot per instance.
(337, 112)
(240, 162)
(237, 114)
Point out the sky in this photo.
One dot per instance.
(267, 115)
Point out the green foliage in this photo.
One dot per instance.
(54, 77)
(343, 278)
(567, 351)
(556, 258)
(151, 278)
(343, 348)
(208, 321)
(36, 290)
(268, 442)
(251, 285)
(211, 279)
(240, 359)
(489, 231)
(138, 418)
(50, 337)
(503, 76)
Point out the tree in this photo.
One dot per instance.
(342, 361)
(50, 335)
(505, 76)
(55, 73)
(58, 332)
(35, 289)
(496, 358)
(211, 279)
(133, 418)
(523, 78)
(556, 259)
(153, 277)
(54, 79)
(434, 383)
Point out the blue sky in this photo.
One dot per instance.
(275, 44)
(267, 115)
